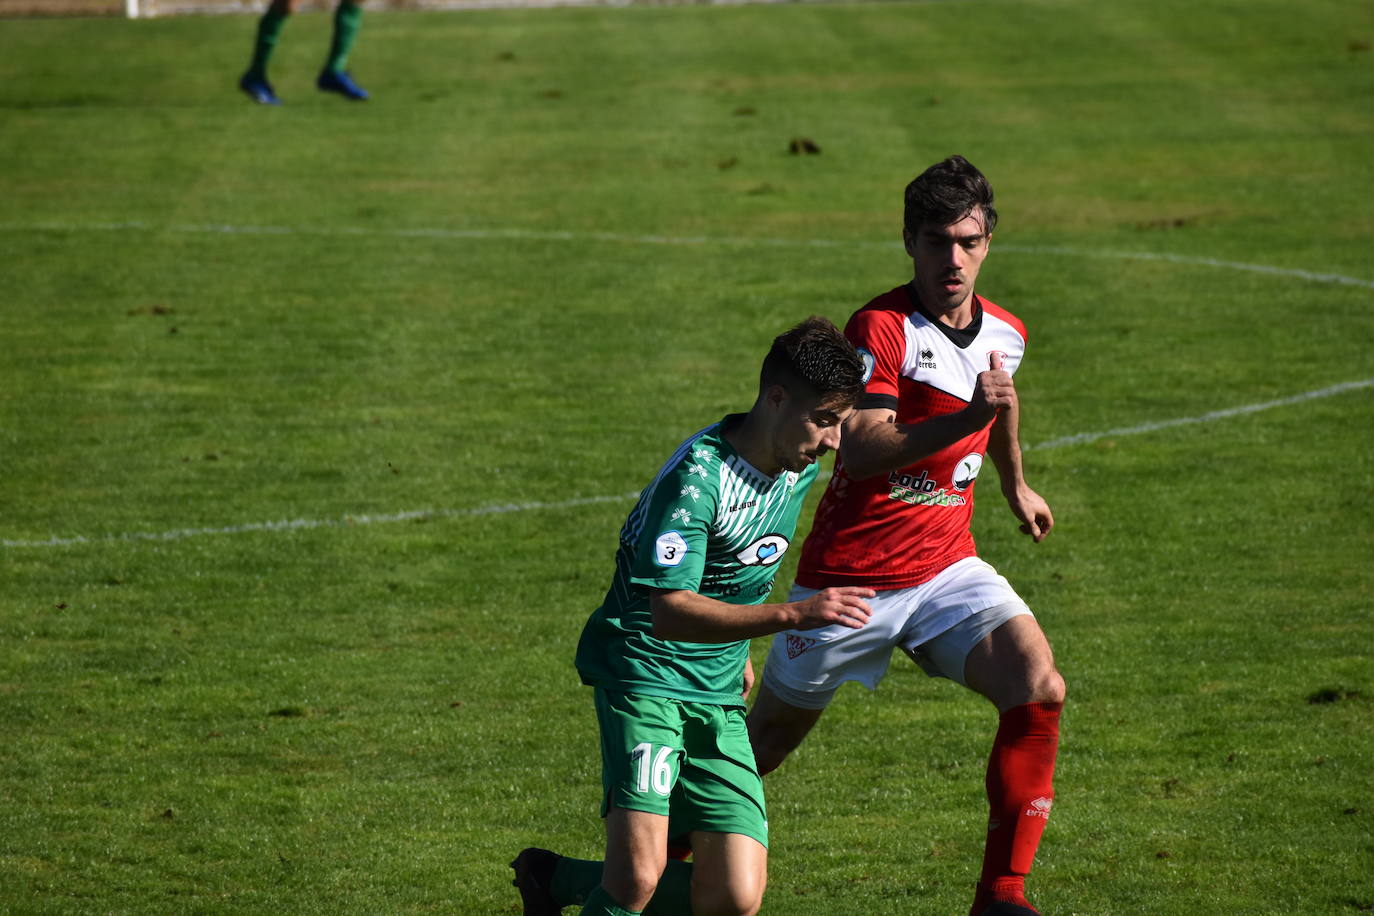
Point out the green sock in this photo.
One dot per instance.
(599, 903)
(574, 880)
(269, 29)
(347, 17)
(579, 881)
(673, 897)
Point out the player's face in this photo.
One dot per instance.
(808, 427)
(947, 259)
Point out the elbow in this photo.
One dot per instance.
(856, 468)
(861, 472)
(663, 622)
(660, 628)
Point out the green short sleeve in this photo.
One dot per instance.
(671, 553)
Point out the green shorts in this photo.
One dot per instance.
(689, 761)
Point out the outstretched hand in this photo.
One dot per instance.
(844, 605)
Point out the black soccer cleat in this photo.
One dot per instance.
(534, 877)
(1002, 908)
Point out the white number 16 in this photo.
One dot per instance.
(660, 775)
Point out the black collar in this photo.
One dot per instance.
(960, 337)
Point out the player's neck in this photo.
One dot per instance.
(958, 317)
(955, 316)
(748, 436)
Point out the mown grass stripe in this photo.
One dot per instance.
(297, 524)
(537, 235)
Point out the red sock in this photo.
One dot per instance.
(1020, 786)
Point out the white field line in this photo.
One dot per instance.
(294, 524)
(179, 534)
(157, 8)
(535, 235)
(1185, 259)
(1209, 417)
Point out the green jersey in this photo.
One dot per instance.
(709, 523)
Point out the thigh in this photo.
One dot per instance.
(636, 854)
(641, 751)
(719, 788)
(947, 654)
(777, 726)
(1014, 665)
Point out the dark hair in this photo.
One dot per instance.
(946, 193)
(817, 355)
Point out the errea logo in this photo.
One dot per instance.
(1040, 808)
(927, 358)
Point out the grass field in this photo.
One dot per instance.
(447, 333)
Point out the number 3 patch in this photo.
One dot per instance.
(669, 549)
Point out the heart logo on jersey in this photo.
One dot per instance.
(765, 551)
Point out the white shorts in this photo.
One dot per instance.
(937, 623)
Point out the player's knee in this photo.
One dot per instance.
(772, 742)
(1047, 686)
(735, 898)
(768, 755)
(632, 891)
(633, 887)
(777, 728)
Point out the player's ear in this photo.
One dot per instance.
(909, 242)
(776, 396)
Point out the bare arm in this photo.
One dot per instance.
(1004, 448)
(685, 616)
(875, 443)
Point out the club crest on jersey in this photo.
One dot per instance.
(966, 471)
(868, 361)
(766, 551)
(670, 548)
(796, 645)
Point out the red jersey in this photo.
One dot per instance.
(900, 529)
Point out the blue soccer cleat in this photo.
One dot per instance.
(342, 83)
(258, 89)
